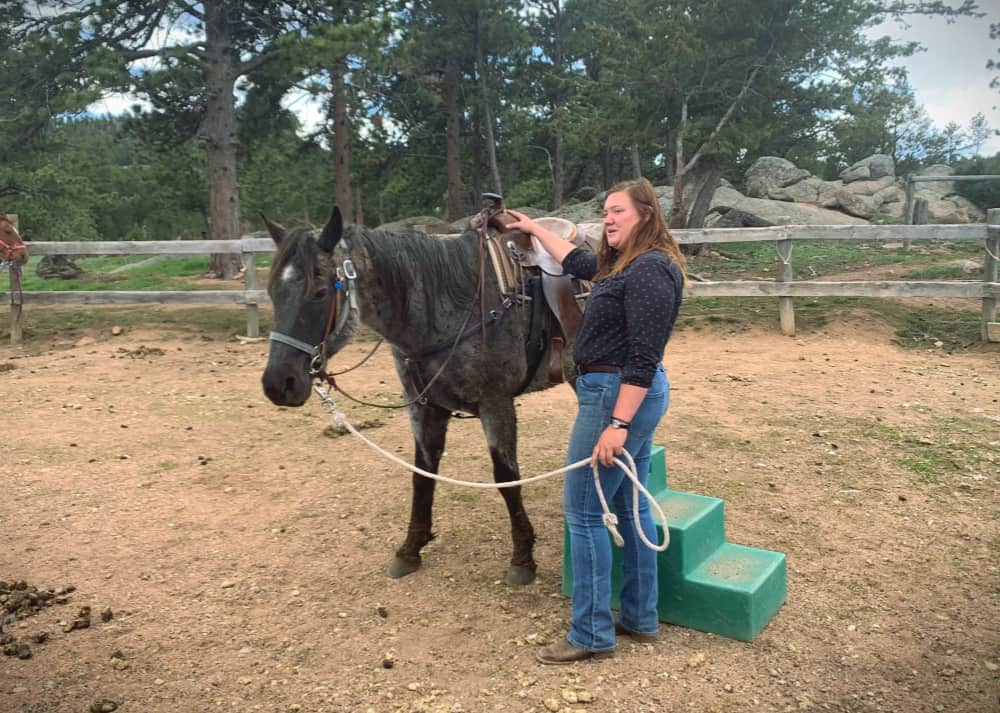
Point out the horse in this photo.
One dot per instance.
(13, 251)
(427, 297)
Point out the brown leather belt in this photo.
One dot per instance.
(582, 369)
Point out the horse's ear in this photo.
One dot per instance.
(332, 231)
(277, 232)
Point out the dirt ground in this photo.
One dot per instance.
(242, 551)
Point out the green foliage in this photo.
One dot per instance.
(201, 322)
(985, 194)
(937, 272)
(924, 328)
(570, 87)
(286, 180)
(169, 273)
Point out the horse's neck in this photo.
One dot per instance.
(402, 299)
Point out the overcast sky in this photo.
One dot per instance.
(950, 78)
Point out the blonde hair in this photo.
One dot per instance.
(651, 232)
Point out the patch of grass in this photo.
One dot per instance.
(917, 326)
(937, 272)
(165, 274)
(208, 321)
(958, 446)
(926, 471)
(994, 548)
(925, 327)
(467, 495)
(857, 587)
(813, 259)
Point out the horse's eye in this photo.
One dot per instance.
(320, 294)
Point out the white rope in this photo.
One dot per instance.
(990, 252)
(781, 257)
(609, 518)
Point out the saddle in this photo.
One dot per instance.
(521, 264)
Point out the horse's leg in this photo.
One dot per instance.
(500, 425)
(429, 424)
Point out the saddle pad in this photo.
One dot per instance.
(510, 274)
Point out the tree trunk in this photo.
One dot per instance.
(454, 157)
(605, 163)
(359, 211)
(677, 215)
(636, 165)
(558, 177)
(341, 144)
(558, 108)
(704, 180)
(477, 151)
(484, 96)
(221, 143)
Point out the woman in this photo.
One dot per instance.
(622, 391)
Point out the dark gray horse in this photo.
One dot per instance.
(420, 294)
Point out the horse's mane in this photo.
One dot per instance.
(411, 266)
(414, 266)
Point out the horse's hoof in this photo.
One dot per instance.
(400, 567)
(520, 575)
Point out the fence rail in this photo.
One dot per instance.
(785, 289)
(909, 199)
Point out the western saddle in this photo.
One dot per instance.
(523, 267)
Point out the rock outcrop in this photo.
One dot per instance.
(943, 204)
(424, 224)
(869, 189)
(754, 212)
(780, 193)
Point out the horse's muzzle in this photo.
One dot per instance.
(284, 386)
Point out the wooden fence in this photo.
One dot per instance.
(784, 288)
(909, 201)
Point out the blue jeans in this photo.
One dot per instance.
(592, 626)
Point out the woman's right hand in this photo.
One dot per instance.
(523, 223)
(553, 244)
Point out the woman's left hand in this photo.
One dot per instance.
(610, 444)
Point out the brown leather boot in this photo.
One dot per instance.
(636, 636)
(563, 652)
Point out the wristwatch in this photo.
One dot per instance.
(618, 423)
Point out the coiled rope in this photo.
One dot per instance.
(609, 518)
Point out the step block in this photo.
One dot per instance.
(657, 480)
(705, 583)
(735, 592)
(697, 529)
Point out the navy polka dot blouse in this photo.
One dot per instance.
(629, 316)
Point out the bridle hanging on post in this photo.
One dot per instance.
(13, 254)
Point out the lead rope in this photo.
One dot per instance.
(610, 519)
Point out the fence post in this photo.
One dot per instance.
(908, 204)
(786, 309)
(250, 278)
(991, 328)
(16, 300)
